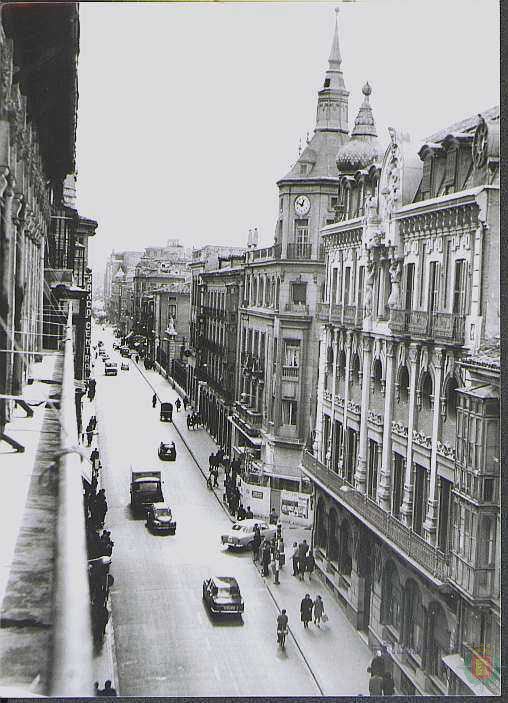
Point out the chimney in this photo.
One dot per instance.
(255, 238)
(249, 239)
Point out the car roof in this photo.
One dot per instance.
(166, 506)
(250, 522)
(225, 581)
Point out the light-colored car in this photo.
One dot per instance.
(241, 534)
(110, 368)
(125, 366)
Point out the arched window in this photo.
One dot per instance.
(404, 384)
(438, 641)
(320, 538)
(333, 545)
(451, 399)
(426, 391)
(391, 599)
(355, 368)
(346, 561)
(413, 618)
(377, 373)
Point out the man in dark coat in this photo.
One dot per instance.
(377, 665)
(376, 685)
(306, 610)
(266, 558)
(256, 542)
(303, 548)
(108, 690)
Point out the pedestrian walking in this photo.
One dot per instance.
(275, 568)
(295, 559)
(241, 512)
(94, 458)
(306, 607)
(273, 517)
(388, 684)
(266, 558)
(310, 563)
(178, 404)
(256, 542)
(185, 403)
(319, 609)
(303, 548)
(248, 513)
(377, 665)
(89, 437)
(376, 685)
(154, 400)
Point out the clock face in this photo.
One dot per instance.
(302, 205)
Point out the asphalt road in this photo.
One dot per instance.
(167, 644)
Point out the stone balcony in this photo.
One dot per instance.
(323, 311)
(249, 419)
(353, 316)
(297, 308)
(444, 327)
(394, 532)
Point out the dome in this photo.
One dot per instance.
(357, 154)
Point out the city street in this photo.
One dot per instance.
(166, 642)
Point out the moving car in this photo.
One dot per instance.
(159, 518)
(124, 366)
(241, 534)
(110, 368)
(167, 451)
(125, 351)
(222, 595)
(146, 490)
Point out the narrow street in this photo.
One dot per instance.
(166, 642)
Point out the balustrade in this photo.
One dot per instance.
(290, 372)
(448, 327)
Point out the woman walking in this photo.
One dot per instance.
(319, 609)
(306, 610)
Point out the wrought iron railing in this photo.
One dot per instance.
(412, 544)
(299, 250)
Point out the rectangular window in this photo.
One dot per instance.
(334, 285)
(292, 353)
(326, 435)
(427, 175)
(372, 469)
(459, 288)
(420, 498)
(444, 513)
(301, 231)
(289, 412)
(347, 282)
(451, 165)
(337, 449)
(299, 293)
(351, 455)
(433, 300)
(398, 484)
(410, 273)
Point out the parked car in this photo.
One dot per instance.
(159, 518)
(241, 534)
(222, 595)
(124, 366)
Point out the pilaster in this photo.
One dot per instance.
(361, 467)
(321, 386)
(430, 523)
(406, 510)
(385, 479)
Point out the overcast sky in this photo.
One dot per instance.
(189, 113)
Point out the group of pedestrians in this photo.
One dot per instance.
(270, 553)
(303, 560)
(90, 430)
(381, 680)
(310, 609)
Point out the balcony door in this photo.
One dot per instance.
(459, 288)
(433, 287)
(410, 274)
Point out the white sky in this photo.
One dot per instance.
(189, 113)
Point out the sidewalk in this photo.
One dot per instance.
(104, 661)
(335, 652)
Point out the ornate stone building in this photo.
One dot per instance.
(405, 453)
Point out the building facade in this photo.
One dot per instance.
(405, 451)
(172, 324)
(218, 344)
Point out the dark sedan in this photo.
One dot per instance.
(160, 519)
(222, 595)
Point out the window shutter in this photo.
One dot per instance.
(451, 165)
(427, 173)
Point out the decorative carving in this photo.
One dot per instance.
(422, 439)
(369, 286)
(480, 140)
(395, 274)
(399, 429)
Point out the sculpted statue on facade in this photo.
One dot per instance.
(395, 273)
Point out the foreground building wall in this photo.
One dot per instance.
(405, 454)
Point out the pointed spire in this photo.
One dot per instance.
(364, 123)
(335, 58)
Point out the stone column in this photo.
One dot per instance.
(430, 523)
(406, 509)
(327, 451)
(40, 282)
(385, 479)
(321, 386)
(20, 339)
(361, 467)
(349, 337)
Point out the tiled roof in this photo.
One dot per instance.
(321, 152)
(465, 125)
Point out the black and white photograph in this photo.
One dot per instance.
(250, 359)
